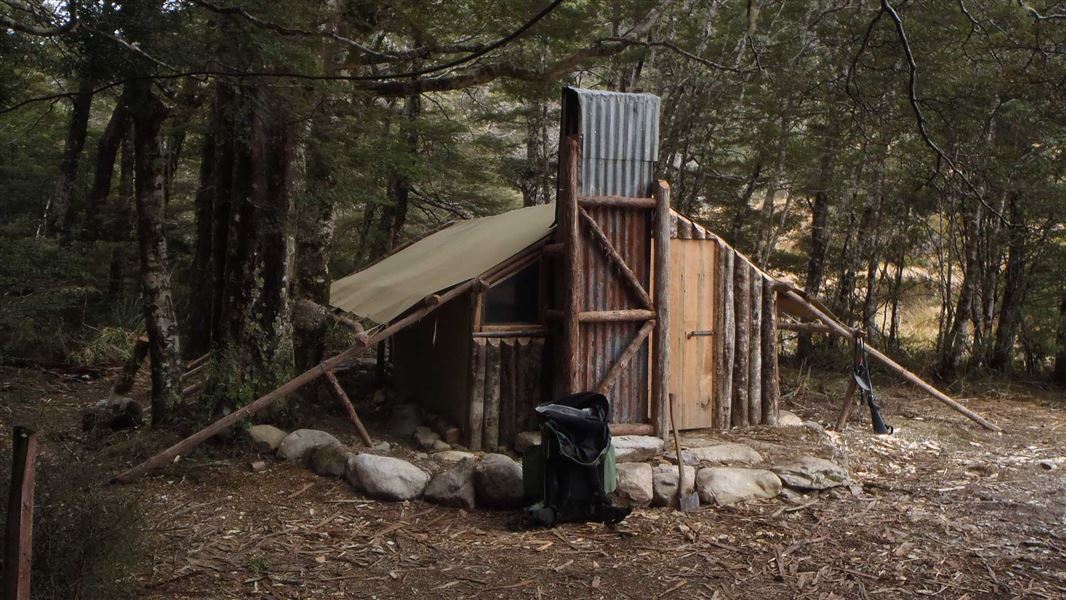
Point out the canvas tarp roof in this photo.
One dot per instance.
(451, 256)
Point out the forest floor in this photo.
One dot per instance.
(940, 509)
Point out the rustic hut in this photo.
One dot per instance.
(606, 289)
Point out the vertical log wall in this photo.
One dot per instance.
(506, 384)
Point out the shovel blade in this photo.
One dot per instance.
(688, 502)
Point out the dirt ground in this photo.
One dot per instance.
(940, 509)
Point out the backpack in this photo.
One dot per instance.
(572, 473)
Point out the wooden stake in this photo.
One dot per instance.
(660, 368)
(349, 409)
(167, 456)
(18, 545)
(891, 364)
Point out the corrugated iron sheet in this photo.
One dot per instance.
(619, 140)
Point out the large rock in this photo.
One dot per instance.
(728, 485)
(526, 440)
(454, 487)
(636, 448)
(404, 419)
(726, 454)
(116, 412)
(810, 473)
(386, 477)
(266, 438)
(299, 443)
(330, 461)
(787, 418)
(664, 484)
(498, 482)
(635, 483)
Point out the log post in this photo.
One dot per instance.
(755, 351)
(742, 314)
(727, 329)
(660, 370)
(19, 534)
(509, 349)
(574, 281)
(349, 409)
(771, 385)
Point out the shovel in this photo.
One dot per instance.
(686, 501)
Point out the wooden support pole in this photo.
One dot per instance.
(18, 543)
(508, 390)
(895, 367)
(617, 201)
(349, 409)
(771, 384)
(574, 279)
(742, 313)
(804, 327)
(167, 456)
(603, 316)
(846, 405)
(660, 367)
(619, 365)
(616, 259)
(554, 249)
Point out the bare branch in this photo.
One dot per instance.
(912, 97)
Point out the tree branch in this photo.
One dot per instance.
(69, 26)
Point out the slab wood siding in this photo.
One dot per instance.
(507, 375)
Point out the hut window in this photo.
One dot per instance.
(515, 299)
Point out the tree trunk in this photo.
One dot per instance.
(394, 215)
(160, 318)
(121, 222)
(960, 333)
(819, 249)
(203, 294)
(106, 152)
(57, 215)
(1010, 311)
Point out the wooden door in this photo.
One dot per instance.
(692, 331)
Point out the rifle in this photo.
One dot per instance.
(861, 373)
